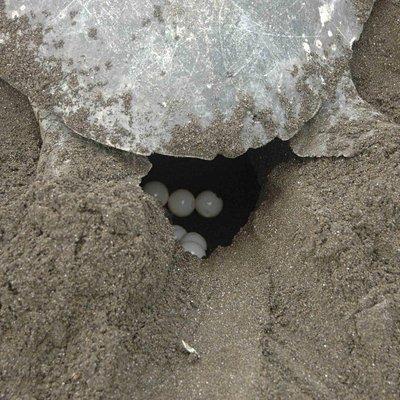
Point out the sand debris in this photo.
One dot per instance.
(193, 352)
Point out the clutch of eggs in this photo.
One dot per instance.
(182, 203)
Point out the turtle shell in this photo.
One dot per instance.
(184, 78)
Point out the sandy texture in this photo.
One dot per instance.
(331, 233)
(20, 143)
(375, 66)
(95, 296)
(91, 295)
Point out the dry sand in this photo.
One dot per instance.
(96, 297)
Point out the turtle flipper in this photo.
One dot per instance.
(342, 127)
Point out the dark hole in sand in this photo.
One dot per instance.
(237, 181)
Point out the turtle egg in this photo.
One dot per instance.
(181, 203)
(179, 232)
(196, 238)
(208, 204)
(194, 248)
(158, 190)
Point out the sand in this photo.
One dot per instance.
(375, 64)
(96, 297)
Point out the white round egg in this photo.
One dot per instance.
(208, 204)
(158, 190)
(179, 232)
(181, 203)
(194, 248)
(197, 238)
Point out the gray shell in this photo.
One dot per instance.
(188, 78)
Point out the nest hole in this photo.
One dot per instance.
(238, 181)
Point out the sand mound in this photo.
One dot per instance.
(90, 292)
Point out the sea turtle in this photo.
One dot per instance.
(188, 78)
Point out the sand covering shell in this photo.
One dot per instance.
(187, 78)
